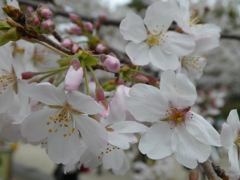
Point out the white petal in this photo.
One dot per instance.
(45, 93)
(233, 120)
(227, 136)
(202, 130)
(156, 142)
(138, 53)
(8, 131)
(194, 66)
(118, 140)
(6, 59)
(93, 133)
(128, 127)
(159, 15)
(113, 159)
(146, 103)
(233, 159)
(187, 150)
(118, 108)
(6, 99)
(83, 103)
(178, 88)
(132, 28)
(63, 149)
(125, 167)
(205, 44)
(34, 127)
(162, 59)
(178, 44)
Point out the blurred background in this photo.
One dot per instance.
(218, 89)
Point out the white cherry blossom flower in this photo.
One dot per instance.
(154, 43)
(120, 135)
(177, 130)
(230, 138)
(63, 122)
(207, 34)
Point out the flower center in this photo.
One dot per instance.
(193, 62)
(176, 116)
(62, 120)
(155, 37)
(109, 149)
(6, 81)
(194, 19)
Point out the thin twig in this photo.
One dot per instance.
(220, 172)
(208, 169)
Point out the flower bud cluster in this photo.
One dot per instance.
(39, 21)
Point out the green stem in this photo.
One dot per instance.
(44, 77)
(82, 42)
(54, 70)
(59, 82)
(93, 74)
(139, 72)
(86, 78)
(53, 49)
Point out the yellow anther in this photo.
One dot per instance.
(47, 123)
(50, 130)
(64, 135)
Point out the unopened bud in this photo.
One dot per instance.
(100, 48)
(28, 75)
(102, 101)
(75, 19)
(47, 26)
(138, 78)
(32, 19)
(193, 174)
(67, 43)
(75, 29)
(112, 63)
(13, 34)
(102, 17)
(89, 27)
(74, 76)
(13, 12)
(75, 47)
(44, 11)
(29, 9)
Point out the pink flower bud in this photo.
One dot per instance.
(75, 18)
(67, 43)
(102, 101)
(29, 9)
(32, 19)
(102, 17)
(45, 13)
(47, 26)
(101, 48)
(89, 27)
(28, 75)
(75, 29)
(74, 76)
(74, 47)
(112, 63)
(138, 78)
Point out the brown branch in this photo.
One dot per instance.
(220, 172)
(208, 169)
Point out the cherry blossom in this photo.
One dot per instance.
(64, 122)
(230, 138)
(176, 130)
(155, 44)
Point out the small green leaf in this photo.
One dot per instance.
(4, 25)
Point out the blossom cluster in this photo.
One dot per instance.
(41, 101)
